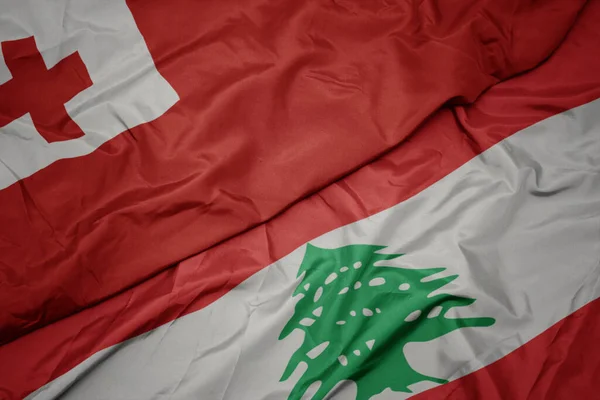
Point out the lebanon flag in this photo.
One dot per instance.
(146, 146)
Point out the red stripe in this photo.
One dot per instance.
(447, 141)
(562, 363)
(277, 100)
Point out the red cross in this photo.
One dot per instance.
(40, 91)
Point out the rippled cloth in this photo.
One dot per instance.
(552, 164)
(277, 99)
